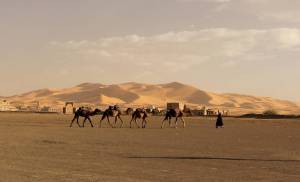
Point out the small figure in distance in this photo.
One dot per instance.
(219, 123)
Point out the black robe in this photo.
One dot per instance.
(219, 122)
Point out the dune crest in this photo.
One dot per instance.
(139, 94)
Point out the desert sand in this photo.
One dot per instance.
(138, 94)
(37, 147)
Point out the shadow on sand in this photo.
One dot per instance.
(215, 158)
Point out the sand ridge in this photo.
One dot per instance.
(139, 94)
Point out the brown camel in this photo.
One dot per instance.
(112, 111)
(86, 114)
(139, 114)
(177, 113)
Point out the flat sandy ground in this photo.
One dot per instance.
(37, 147)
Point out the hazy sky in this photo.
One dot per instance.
(241, 46)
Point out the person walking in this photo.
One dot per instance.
(219, 123)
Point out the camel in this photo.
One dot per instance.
(112, 111)
(86, 115)
(139, 114)
(177, 113)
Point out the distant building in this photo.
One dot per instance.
(175, 105)
(50, 109)
(199, 112)
(203, 111)
(22, 108)
(45, 109)
(211, 112)
(186, 109)
(226, 113)
(69, 108)
(34, 106)
(5, 106)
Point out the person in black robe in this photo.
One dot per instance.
(219, 122)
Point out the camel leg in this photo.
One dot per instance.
(131, 122)
(100, 123)
(144, 123)
(135, 121)
(102, 118)
(78, 122)
(176, 121)
(163, 122)
(116, 120)
(121, 121)
(109, 122)
(73, 121)
(90, 122)
(100, 126)
(84, 122)
(183, 122)
(170, 122)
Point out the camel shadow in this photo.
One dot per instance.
(216, 158)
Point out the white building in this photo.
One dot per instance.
(51, 109)
(5, 106)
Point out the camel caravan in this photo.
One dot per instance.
(139, 114)
(139, 117)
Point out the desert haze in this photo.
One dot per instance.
(138, 94)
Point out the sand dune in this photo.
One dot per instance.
(138, 94)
